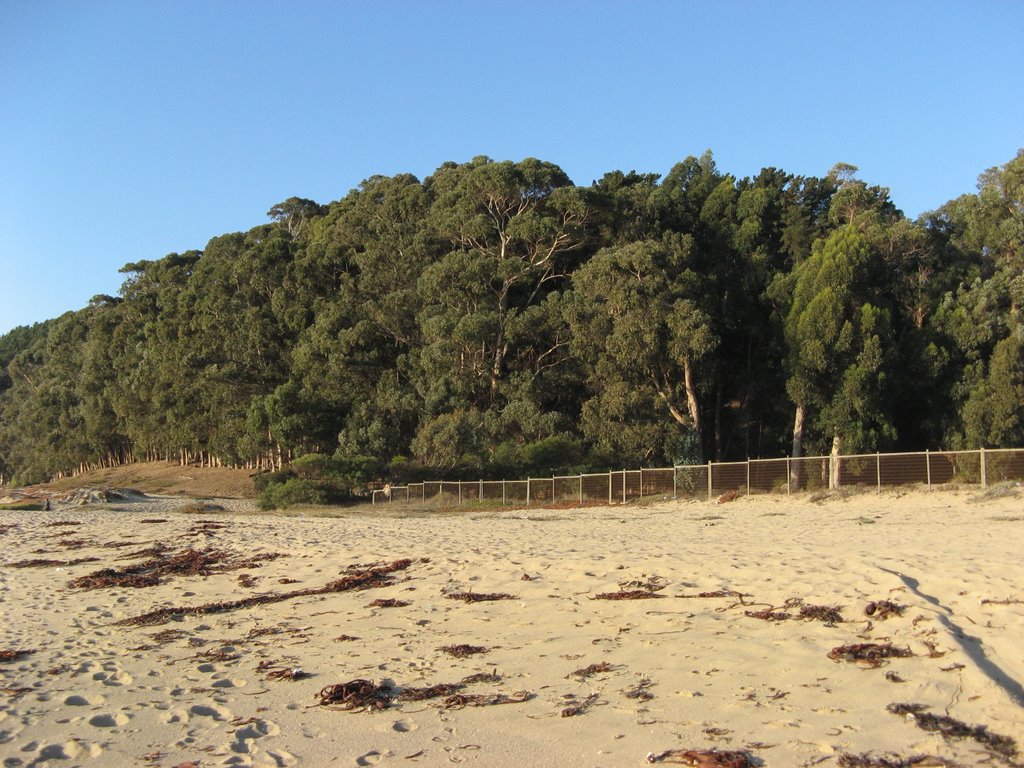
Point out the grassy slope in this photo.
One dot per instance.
(158, 477)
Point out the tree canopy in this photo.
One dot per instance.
(495, 319)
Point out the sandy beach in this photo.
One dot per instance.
(604, 636)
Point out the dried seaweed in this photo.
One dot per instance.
(15, 692)
(153, 520)
(481, 677)
(189, 562)
(157, 550)
(246, 580)
(593, 669)
(355, 695)
(624, 594)
(768, 614)
(345, 638)
(893, 761)
(59, 523)
(40, 563)
(430, 692)
(14, 655)
(703, 758)
(463, 651)
(369, 578)
(640, 691)
(480, 597)
(826, 613)
(287, 673)
(217, 654)
(883, 609)
(169, 635)
(388, 603)
(868, 654)
(580, 707)
(650, 583)
(75, 543)
(951, 728)
(460, 700)
(716, 593)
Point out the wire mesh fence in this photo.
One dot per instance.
(707, 481)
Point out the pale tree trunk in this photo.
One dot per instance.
(798, 446)
(691, 396)
(835, 462)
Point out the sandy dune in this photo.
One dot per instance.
(587, 681)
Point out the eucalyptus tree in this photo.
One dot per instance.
(840, 346)
(637, 322)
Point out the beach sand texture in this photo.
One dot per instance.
(563, 675)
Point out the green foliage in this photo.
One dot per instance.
(317, 479)
(494, 320)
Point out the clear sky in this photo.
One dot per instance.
(132, 129)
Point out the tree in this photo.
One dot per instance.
(636, 321)
(839, 346)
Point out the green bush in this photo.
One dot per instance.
(316, 479)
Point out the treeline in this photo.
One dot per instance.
(494, 319)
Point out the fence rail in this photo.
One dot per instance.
(809, 473)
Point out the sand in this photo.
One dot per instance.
(588, 681)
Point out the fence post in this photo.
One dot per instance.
(641, 482)
(675, 482)
(581, 490)
(503, 502)
(789, 477)
(984, 474)
(878, 470)
(527, 490)
(623, 485)
(480, 493)
(710, 492)
(748, 475)
(460, 493)
(609, 488)
(928, 468)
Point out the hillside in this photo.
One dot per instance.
(159, 477)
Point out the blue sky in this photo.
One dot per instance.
(129, 130)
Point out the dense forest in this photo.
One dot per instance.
(494, 320)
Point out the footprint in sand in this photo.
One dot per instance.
(217, 713)
(404, 726)
(76, 700)
(246, 736)
(174, 716)
(233, 682)
(108, 720)
(373, 757)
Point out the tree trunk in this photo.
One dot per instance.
(499, 344)
(798, 446)
(835, 462)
